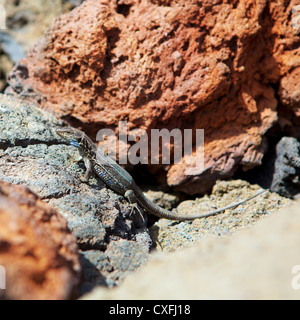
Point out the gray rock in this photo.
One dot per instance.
(111, 267)
(286, 180)
(261, 262)
(10, 47)
(31, 154)
(169, 236)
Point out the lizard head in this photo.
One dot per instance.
(73, 136)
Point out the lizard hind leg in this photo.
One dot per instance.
(141, 217)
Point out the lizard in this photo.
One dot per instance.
(120, 181)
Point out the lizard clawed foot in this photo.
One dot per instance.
(84, 178)
(140, 219)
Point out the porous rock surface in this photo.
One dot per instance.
(25, 22)
(37, 251)
(285, 179)
(261, 262)
(170, 236)
(209, 65)
(33, 155)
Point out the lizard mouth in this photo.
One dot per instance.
(68, 134)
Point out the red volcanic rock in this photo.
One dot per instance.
(39, 254)
(209, 65)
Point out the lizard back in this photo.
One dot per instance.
(105, 167)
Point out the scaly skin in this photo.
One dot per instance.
(119, 180)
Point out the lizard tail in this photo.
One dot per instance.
(156, 210)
